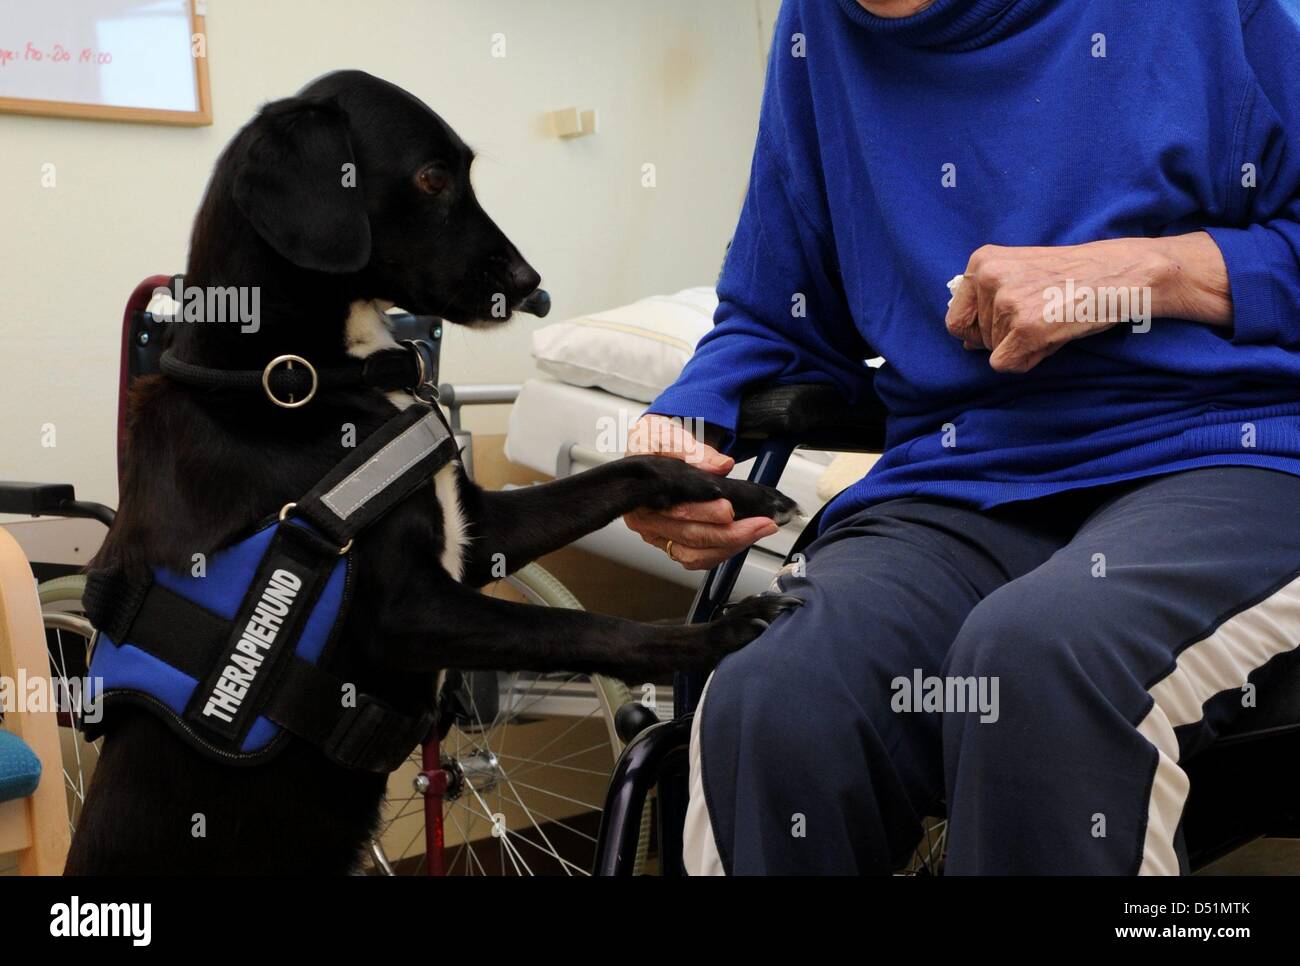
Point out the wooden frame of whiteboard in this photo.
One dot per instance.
(141, 115)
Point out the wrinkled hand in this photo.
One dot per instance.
(1014, 301)
(703, 534)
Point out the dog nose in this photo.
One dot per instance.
(538, 304)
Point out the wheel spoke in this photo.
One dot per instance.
(574, 801)
(473, 817)
(511, 851)
(555, 853)
(74, 772)
(568, 867)
(404, 811)
(538, 700)
(411, 841)
(535, 763)
(560, 823)
(520, 802)
(563, 734)
(467, 849)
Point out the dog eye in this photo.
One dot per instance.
(432, 180)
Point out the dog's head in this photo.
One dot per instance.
(355, 177)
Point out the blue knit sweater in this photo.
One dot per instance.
(889, 150)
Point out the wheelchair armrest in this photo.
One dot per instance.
(815, 416)
(34, 499)
(50, 499)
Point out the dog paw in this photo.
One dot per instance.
(755, 500)
(744, 620)
(699, 647)
(674, 481)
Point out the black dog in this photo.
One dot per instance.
(280, 214)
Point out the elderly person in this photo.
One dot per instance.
(1079, 552)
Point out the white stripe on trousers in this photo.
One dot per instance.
(699, 850)
(1220, 662)
(1217, 663)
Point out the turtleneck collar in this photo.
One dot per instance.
(946, 24)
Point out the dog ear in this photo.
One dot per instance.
(296, 183)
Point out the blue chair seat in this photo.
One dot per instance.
(20, 769)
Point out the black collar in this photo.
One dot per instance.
(290, 381)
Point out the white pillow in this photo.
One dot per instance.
(635, 351)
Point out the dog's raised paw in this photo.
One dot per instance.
(762, 607)
(744, 620)
(756, 500)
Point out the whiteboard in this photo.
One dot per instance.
(134, 60)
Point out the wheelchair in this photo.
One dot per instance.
(1242, 787)
(498, 788)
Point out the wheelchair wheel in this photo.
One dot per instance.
(528, 758)
(67, 636)
(930, 851)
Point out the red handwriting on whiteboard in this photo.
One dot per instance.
(57, 54)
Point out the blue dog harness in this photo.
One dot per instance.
(235, 657)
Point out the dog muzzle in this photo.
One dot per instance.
(235, 656)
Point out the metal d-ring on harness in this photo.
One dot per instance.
(288, 361)
(425, 389)
(238, 657)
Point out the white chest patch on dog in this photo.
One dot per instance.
(367, 332)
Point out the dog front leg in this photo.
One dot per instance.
(466, 629)
(511, 528)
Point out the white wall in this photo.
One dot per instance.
(677, 83)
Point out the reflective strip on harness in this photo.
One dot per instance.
(379, 475)
(235, 659)
(359, 486)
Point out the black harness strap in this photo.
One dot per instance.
(154, 630)
(111, 601)
(265, 631)
(354, 729)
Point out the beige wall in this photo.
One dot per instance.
(677, 83)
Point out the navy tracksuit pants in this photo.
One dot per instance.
(1040, 668)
